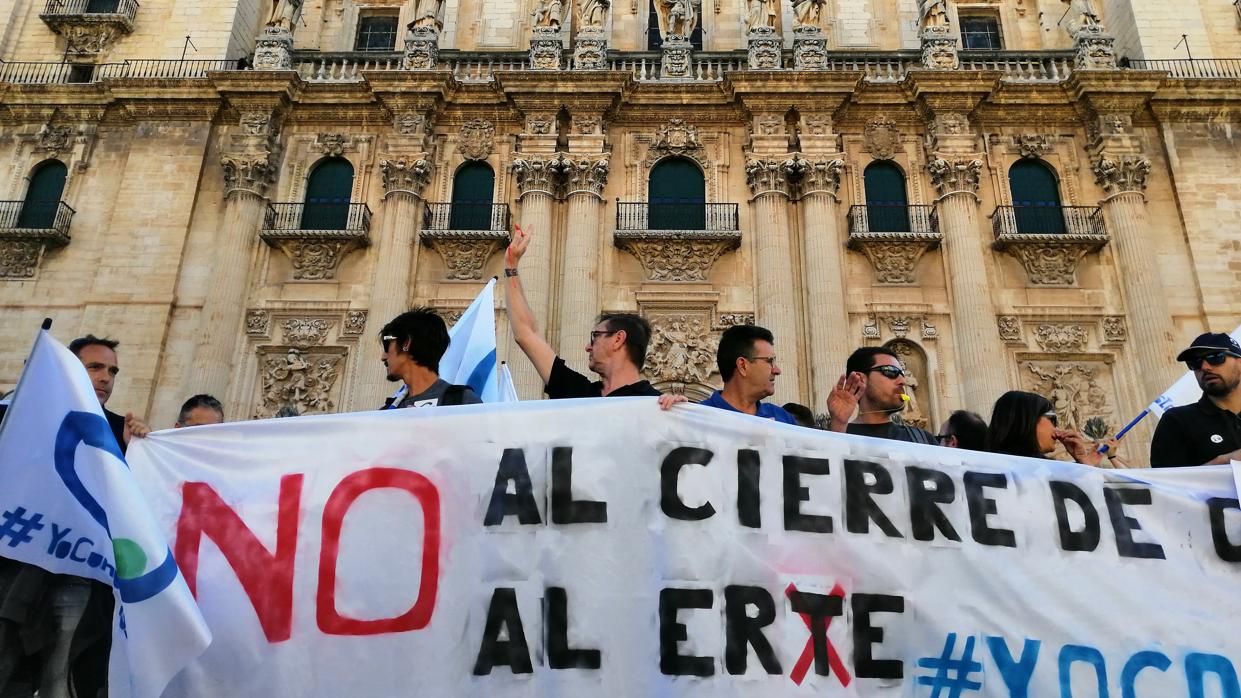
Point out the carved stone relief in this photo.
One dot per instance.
(538, 173)
(258, 322)
(19, 259)
(814, 176)
(682, 348)
(1078, 390)
(880, 138)
(1032, 145)
(915, 364)
(676, 138)
(332, 144)
(303, 332)
(1114, 329)
(1010, 329)
(1061, 338)
(1050, 260)
(768, 176)
(894, 256)
(585, 174)
(465, 252)
(315, 257)
(956, 175)
(677, 255)
(305, 381)
(1121, 173)
(477, 139)
(355, 322)
(402, 173)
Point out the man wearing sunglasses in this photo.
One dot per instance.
(413, 344)
(873, 386)
(1207, 432)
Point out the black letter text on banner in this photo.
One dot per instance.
(1086, 539)
(672, 632)
(566, 510)
(521, 502)
(669, 498)
(503, 617)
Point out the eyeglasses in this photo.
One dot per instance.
(596, 334)
(1052, 416)
(1215, 359)
(940, 438)
(888, 370)
(771, 360)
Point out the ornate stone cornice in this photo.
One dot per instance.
(1118, 174)
(954, 174)
(465, 252)
(537, 172)
(894, 255)
(677, 255)
(316, 254)
(1050, 259)
(817, 176)
(405, 174)
(768, 175)
(585, 174)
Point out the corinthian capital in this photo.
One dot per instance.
(585, 174)
(817, 176)
(405, 174)
(768, 176)
(248, 172)
(955, 175)
(538, 173)
(1121, 173)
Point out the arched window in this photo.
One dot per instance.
(677, 196)
(473, 190)
(327, 195)
(1036, 198)
(47, 183)
(887, 205)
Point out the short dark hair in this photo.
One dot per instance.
(801, 413)
(736, 342)
(425, 332)
(864, 358)
(1014, 422)
(637, 334)
(970, 430)
(200, 400)
(77, 345)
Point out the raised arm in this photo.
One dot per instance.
(520, 317)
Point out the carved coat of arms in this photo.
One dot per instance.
(881, 138)
(477, 140)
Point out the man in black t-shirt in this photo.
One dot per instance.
(873, 386)
(616, 348)
(1207, 432)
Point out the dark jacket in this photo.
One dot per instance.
(1195, 434)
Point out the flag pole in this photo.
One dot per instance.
(1121, 434)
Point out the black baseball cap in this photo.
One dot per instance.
(1211, 342)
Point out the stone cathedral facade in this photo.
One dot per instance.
(1027, 194)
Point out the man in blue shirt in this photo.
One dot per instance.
(747, 362)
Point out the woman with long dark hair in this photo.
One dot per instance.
(1024, 424)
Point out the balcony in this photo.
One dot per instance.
(44, 73)
(89, 26)
(1201, 68)
(1049, 241)
(465, 236)
(27, 230)
(893, 237)
(676, 241)
(317, 236)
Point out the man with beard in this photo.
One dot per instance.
(413, 344)
(873, 386)
(1207, 432)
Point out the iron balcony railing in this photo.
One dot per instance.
(892, 218)
(63, 8)
(1048, 220)
(291, 217)
(466, 216)
(170, 69)
(1192, 67)
(675, 216)
(36, 216)
(40, 73)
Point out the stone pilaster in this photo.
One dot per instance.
(590, 49)
(939, 48)
(775, 298)
(421, 48)
(809, 48)
(676, 60)
(537, 179)
(764, 49)
(546, 47)
(585, 177)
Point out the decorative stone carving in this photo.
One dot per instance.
(677, 255)
(1010, 329)
(734, 319)
(939, 48)
(316, 259)
(1032, 145)
(949, 124)
(676, 138)
(899, 325)
(682, 349)
(1095, 48)
(450, 315)
(54, 139)
(465, 252)
(592, 14)
(929, 331)
(914, 363)
(19, 259)
(477, 139)
(764, 48)
(676, 58)
(306, 332)
(253, 173)
(894, 255)
(545, 47)
(548, 14)
(957, 175)
(880, 138)
(1076, 390)
(767, 125)
(809, 45)
(585, 174)
(258, 322)
(332, 144)
(410, 123)
(405, 174)
(1114, 329)
(765, 176)
(421, 48)
(90, 39)
(538, 173)
(1121, 173)
(870, 330)
(355, 323)
(541, 124)
(590, 48)
(258, 123)
(587, 125)
(817, 176)
(1050, 260)
(273, 50)
(1060, 338)
(303, 381)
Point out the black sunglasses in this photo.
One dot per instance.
(1052, 416)
(888, 371)
(1215, 359)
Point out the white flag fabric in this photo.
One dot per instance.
(471, 356)
(1184, 391)
(508, 391)
(70, 505)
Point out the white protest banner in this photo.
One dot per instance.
(606, 548)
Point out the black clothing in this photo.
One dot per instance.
(893, 432)
(117, 422)
(567, 383)
(1194, 435)
(441, 393)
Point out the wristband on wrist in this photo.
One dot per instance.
(510, 272)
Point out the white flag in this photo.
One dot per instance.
(471, 356)
(71, 506)
(1184, 391)
(508, 391)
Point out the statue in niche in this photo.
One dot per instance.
(284, 14)
(548, 13)
(1081, 14)
(427, 14)
(932, 13)
(677, 17)
(593, 13)
(763, 13)
(810, 13)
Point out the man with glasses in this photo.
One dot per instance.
(1207, 432)
(963, 429)
(615, 349)
(873, 387)
(747, 361)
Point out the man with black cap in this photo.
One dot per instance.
(1207, 432)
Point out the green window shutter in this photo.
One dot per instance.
(328, 190)
(473, 191)
(887, 204)
(47, 183)
(1036, 198)
(677, 196)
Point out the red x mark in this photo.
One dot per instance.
(807, 654)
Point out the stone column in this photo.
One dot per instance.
(826, 311)
(980, 356)
(775, 300)
(586, 176)
(537, 176)
(1123, 177)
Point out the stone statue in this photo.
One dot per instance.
(932, 13)
(427, 14)
(1082, 14)
(677, 17)
(284, 14)
(548, 13)
(809, 13)
(763, 13)
(593, 13)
